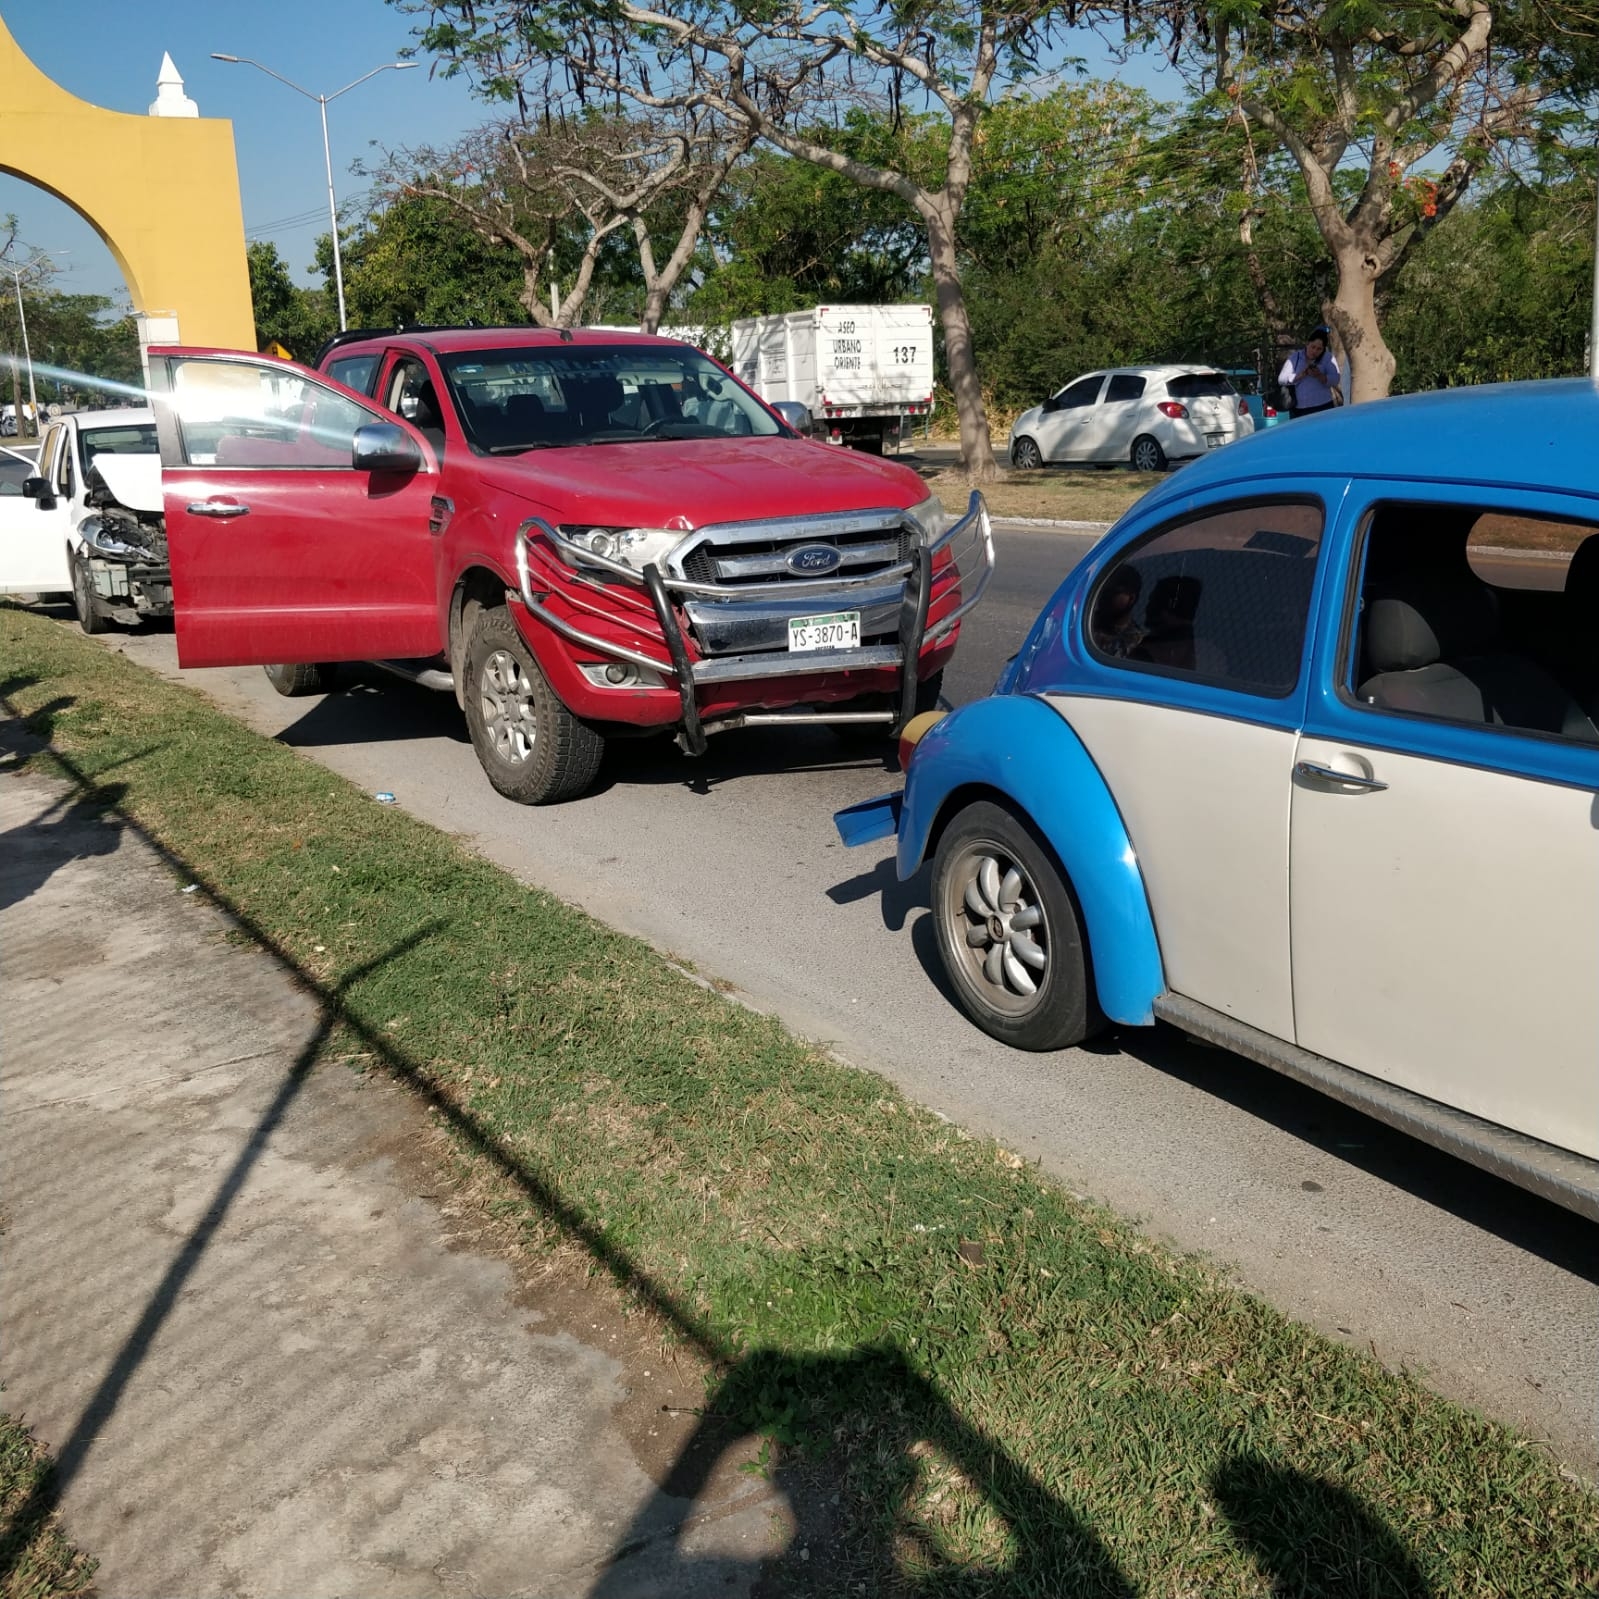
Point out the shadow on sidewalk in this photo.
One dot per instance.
(873, 1393)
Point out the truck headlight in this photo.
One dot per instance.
(930, 518)
(632, 546)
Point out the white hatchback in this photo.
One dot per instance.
(1145, 416)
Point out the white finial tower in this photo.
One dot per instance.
(170, 100)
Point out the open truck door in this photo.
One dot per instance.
(297, 515)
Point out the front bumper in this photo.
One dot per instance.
(131, 589)
(710, 656)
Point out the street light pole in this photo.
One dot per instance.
(327, 151)
(27, 355)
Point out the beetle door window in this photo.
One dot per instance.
(236, 413)
(1222, 598)
(1478, 615)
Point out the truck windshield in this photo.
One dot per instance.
(566, 395)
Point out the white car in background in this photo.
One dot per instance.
(87, 519)
(1141, 416)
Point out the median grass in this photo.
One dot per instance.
(1007, 1390)
(1054, 494)
(36, 1561)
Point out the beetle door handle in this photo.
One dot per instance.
(221, 509)
(1329, 774)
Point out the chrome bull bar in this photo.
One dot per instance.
(972, 534)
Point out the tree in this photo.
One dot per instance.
(1384, 90)
(778, 69)
(534, 187)
(301, 320)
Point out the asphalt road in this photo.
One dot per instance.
(731, 863)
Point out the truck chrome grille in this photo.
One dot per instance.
(741, 557)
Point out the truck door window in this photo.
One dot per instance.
(237, 413)
(411, 393)
(354, 372)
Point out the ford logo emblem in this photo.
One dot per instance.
(814, 560)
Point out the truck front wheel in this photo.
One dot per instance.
(533, 748)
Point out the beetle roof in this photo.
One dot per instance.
(1530, 435)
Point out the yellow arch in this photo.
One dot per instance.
(162, 192)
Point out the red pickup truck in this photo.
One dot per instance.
(585, 534)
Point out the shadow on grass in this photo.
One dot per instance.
(1313, 1539)
(895, 1420)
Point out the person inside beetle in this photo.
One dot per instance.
(1115, 626)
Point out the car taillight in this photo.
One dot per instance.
(1243, 408)
(1172, 409)
(1271, 410)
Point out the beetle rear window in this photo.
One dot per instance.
(1222, 599)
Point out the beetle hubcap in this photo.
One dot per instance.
(510, 717)
(998, 927)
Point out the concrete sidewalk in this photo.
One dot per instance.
(239, 1312)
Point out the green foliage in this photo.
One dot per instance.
(73, 342)
(415, 261)
(301, 320)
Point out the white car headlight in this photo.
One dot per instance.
(632, 546)
(930, 517)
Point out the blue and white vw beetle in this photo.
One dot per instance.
(1304, 759)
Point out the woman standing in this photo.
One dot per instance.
(1311, 376)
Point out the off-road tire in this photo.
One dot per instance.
(90, 618)
(293, 681)
(534, 750)
(1062, 1011)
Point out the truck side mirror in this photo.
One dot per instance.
(38, 489)
(797, 416)
(383, 447)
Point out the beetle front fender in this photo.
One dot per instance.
(1025, 751)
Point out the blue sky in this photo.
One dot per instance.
(109, 52)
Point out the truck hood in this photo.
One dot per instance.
(134, 479)
(701, 481)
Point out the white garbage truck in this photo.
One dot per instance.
(864, 372)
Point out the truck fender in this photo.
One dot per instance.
(1020, 749)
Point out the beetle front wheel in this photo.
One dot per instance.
(1008, 932)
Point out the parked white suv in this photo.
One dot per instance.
(89, 520)
(1145, 416)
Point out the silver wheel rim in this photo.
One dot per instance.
(997, 928)
(1145, 459)
(510, 716)
(1027, 456)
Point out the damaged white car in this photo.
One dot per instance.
(89, 522)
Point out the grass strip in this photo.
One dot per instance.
(1016, 1392)
(36, 1561)
(1058, 493)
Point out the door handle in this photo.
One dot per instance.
(1328, 774)
(222, 509)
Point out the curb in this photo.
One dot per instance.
(1044, 521)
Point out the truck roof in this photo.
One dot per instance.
(454, 341)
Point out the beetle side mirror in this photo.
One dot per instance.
(38, 490)
(796, 415)
(383, 447)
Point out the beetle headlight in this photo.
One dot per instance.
(632, 546)
(930, 517)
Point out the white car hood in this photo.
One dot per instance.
(134, 479)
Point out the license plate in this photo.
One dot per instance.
(840, 631)
(1214, 441)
